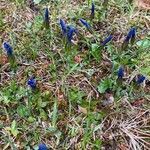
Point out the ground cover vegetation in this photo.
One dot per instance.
(74, 74)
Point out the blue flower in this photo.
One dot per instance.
(130, 35)
(84, 22)
(140, 79)
(46, 18)
(108, 39)
(63, 26)
(120, 73)
(93, 10)
(129, 38)
(8, 49)
(46, 14)
(32, 83)
(70, 31)
(42, 147)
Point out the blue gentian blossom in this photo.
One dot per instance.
(133, 32)
(42, 147)
(140, 79)
(130, 35)
(92, 10)
(32, 82)
(8, 49)
(84, 22)
(63, 26)
(46, 18)
(120, 73)
(70, 31)
(108, 39)
(130, 38)
(46, 15)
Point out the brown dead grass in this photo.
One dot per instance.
(143, 4)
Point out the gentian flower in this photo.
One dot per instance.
(42, 147)
(8, 49)
(32, 83)
(108, 39)
(63, 26)
(92, 10)
(140, 79)
(46, 18)
(131, 35)
(70, 31)
(120, 73)
(84, 22)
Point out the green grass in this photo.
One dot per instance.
(66, 111)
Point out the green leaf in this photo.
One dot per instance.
(4, 98)
(13, 125)
(97, 144)
(144, 43)
(52, 129)
(104, 85)
(76, 96)
(14, 130)
(95, 51)
(23, 111)
(37, 1)
(44, 104)
(38, 23)
(31, 119)
(43, 114)
(54, 115)
(145, 71)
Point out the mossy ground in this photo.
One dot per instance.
(66, 111)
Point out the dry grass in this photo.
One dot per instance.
(73, 117)
(126, 130)
(143, 4)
